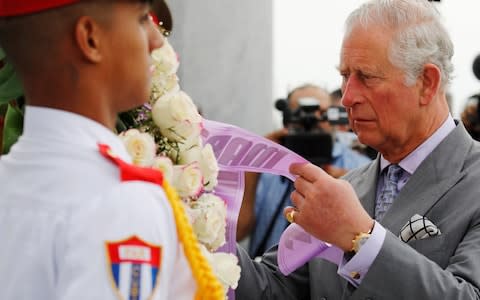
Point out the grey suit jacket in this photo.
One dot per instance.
(446, 189)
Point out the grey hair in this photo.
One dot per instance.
(419, 35)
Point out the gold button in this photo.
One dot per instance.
(355, 275)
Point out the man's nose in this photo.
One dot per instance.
(351, 91)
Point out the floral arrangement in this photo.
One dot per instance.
(165, 134)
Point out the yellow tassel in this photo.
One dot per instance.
(208, 286)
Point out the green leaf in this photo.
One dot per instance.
(120, 125)
(128, 119)
(11, 88)
(13, 127)
(3, 109)
(10, 85)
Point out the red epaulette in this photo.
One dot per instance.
(131, 172)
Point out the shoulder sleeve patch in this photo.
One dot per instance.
(133, 266)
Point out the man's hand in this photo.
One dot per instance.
(326, 207)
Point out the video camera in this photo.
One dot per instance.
(304, 136)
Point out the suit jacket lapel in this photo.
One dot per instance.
(434, 177)
(365, 186)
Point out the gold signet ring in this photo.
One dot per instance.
(291, 216)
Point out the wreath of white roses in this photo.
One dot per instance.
(165, 134)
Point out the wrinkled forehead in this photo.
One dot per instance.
(365, 48)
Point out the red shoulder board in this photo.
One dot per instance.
(131, 172)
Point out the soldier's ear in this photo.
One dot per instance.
(88, 38)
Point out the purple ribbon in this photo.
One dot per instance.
(238, 151)
(297, 247)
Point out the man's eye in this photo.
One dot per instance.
(365, 76)
(369, 76)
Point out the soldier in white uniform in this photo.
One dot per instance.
(69, 227)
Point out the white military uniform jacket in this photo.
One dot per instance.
(70, 229)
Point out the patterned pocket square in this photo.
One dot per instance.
(418, 228)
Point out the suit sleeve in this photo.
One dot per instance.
(263, 280)
(411, 275)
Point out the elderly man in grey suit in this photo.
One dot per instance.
(407, 225)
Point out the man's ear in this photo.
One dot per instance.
(88, 37)
(431, 79)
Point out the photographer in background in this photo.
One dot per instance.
(266, 194)
(471, 117)
(471, 113)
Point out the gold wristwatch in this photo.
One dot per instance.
(360, 239)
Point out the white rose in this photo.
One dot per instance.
(162, 85)
(164, 68)
(171, 84)
(165, 59)
(209, 167)
(209, 223)
(207, 161)
(165, 165)
(140, 145)
(177, 117)
(190, 153)
(187, 180)
(191, 148)
(225, 267)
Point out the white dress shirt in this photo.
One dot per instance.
(62, 203)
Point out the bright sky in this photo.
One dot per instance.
(308, 34)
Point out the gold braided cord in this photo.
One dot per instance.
(208, 286)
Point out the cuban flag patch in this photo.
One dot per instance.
(134, 267)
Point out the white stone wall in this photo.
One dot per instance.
(225, 50)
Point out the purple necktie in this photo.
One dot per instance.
(389, 191)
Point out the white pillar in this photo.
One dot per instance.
(225, 50)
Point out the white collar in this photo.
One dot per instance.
(47, 125)
(412, 161)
